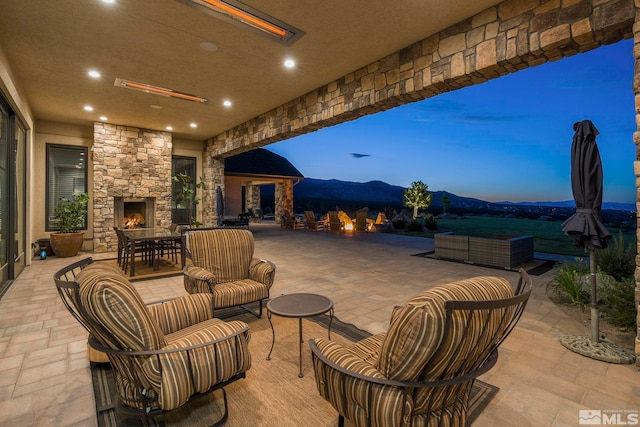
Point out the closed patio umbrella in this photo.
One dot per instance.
(219, 205)
(587, 230)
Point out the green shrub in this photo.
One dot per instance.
(414, 225)
(618, 302)
(569, 281)
(617, 260)
(399, 224)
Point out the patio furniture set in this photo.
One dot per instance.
(163, 354)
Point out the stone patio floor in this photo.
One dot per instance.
(45, 377)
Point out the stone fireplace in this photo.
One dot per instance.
(131, 175)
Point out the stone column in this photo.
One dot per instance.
(636, 165)
(213, 176)
(283, 199)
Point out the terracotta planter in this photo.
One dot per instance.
(66, 244)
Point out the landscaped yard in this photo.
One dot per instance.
(548, 235)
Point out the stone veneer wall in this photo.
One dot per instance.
(128, 162)
(511, 36)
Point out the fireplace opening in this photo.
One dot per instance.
(134, 213)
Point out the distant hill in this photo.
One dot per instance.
(571, 204)
(322, 195)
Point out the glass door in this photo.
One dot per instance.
(18, 209)
(4, 196)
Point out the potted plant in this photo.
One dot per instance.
(185, 198)
(70, 214)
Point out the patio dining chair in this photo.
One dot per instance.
(421, 370)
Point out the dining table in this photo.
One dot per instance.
(156, 238)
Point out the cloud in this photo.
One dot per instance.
(359, 155)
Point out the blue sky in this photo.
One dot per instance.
(506, 139)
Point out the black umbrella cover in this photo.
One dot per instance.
(585, 226)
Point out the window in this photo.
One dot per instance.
(181, 212)
(66, 174)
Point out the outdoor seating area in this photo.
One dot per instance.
(501, 251)
(532, 367)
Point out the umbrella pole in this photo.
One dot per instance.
(595, 317)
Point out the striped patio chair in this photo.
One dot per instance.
(222, 264)
(421, 370)
(162, 354)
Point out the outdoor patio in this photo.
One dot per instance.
(45, 378)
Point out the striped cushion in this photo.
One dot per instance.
(179, 375)
(114, 303)
(413, 336)
(182, 312)
(239, 292)
(225, 253)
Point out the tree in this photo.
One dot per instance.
(445, 203)
(417, 197)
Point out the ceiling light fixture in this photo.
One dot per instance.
(102, 118)
(239, 13)
(226, 103)
(88, 108)
(159, 91)
(94, 74)
(289, 63)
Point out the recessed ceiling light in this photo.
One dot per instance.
(289, 63)
(88, 108)
(108, 1)
(156, 107)
(226, 103)
(94, 74)
(208, 46)
(169, 128)
(193, 125)
(103, 118)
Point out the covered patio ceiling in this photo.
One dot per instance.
(52, 45)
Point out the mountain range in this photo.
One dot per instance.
(381, 193)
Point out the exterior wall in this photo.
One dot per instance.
(283, 198)
(62, 134)
(128, 162)
(232, 196)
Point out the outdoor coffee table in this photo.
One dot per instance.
(298, 306)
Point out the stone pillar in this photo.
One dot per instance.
(636, 166)
(252, 195)
(283, 199)
(131, 163)
(213, 176)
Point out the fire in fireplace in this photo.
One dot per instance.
(134, 213)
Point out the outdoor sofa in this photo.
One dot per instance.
(500, 251)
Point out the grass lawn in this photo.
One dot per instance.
(548, 235)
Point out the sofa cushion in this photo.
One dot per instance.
(225, 253)
(114, 303)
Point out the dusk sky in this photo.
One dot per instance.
(508, 139)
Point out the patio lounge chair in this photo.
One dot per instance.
(222, 264)
(292, 222)
(361, 223)
(421, 370)
(334, 223)
(161, 354)
(312, 223)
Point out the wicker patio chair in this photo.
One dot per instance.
(162, 355)
(421, 370)
(222, 264)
